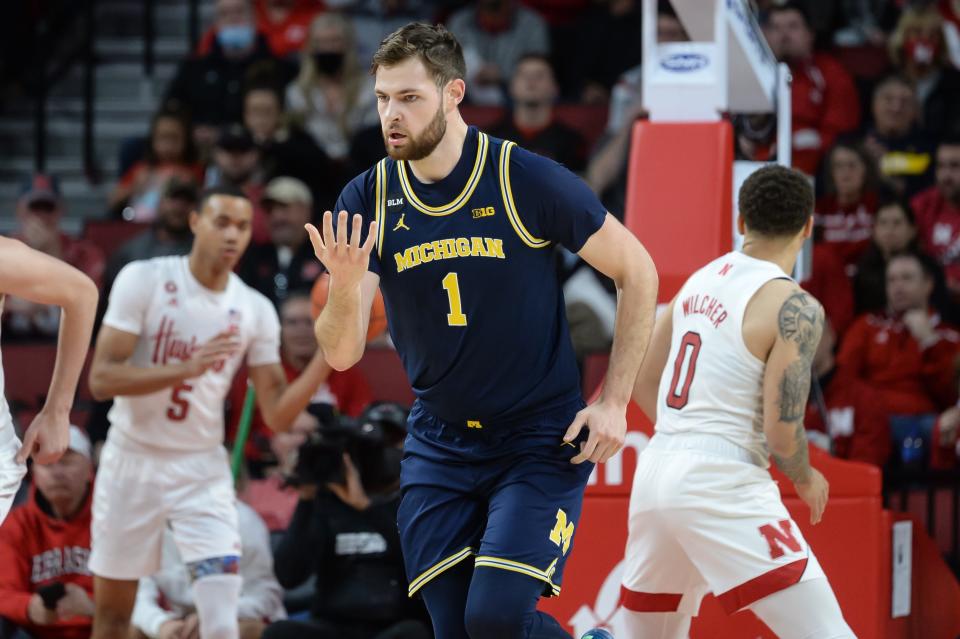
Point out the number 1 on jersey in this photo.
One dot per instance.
(689, 351)
(452, 286)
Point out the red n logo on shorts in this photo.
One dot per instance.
(778, 538)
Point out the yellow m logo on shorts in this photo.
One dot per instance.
(562, 533)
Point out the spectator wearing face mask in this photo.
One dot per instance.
(284, 24)
(332, 97)
(210, 85)
(918, 51)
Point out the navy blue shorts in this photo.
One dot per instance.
(500, 497)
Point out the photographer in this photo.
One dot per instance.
(348, 477)
(45, 586)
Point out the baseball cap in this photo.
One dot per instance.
(40, 187)
(287, 190)
(79, 442)
(236, 138)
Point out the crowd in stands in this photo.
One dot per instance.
(276, 99)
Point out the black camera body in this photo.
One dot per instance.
(373, 441)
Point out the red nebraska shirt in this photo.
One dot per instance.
(880, 351)
(37, 549)
(938, 229)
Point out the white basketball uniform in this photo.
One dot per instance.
(10, 471)
(164, 463)
(705, 515)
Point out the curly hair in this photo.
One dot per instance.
(436, 47)
(776, 201)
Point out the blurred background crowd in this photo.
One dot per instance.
(134, 108)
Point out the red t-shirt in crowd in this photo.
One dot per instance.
(938, 230)
(880, 351)
(825, 103)
(36, 550)
(846, 230)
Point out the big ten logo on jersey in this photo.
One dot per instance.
(780, 538)
(485, 211)
(616, 475)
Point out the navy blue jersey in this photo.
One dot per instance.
(468, 276)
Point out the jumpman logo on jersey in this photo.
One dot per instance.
(400, 224)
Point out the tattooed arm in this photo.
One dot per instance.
(786, 386)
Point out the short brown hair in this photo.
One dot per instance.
(436, 47)
(776, 201)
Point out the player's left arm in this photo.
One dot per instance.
(39, 278)
(617, 253)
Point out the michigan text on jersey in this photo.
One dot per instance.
(448, 249)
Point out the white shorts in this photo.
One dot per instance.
(11, 473)
(137, 495)
(704, 519)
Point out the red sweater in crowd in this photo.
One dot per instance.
(846, 230)
(858, 425)
(938, 230)
(880, 351)
(825, 104)
(37, 549)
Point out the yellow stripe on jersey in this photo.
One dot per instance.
(437, 569)
(380, 206)
(506, 191)
(516, 566)
(460, 200)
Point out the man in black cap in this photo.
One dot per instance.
(286, 263)
(39, 210)
(236, 163)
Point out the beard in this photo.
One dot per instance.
(422, 145)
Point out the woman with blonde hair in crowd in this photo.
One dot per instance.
(917, 49)
(333, 96)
